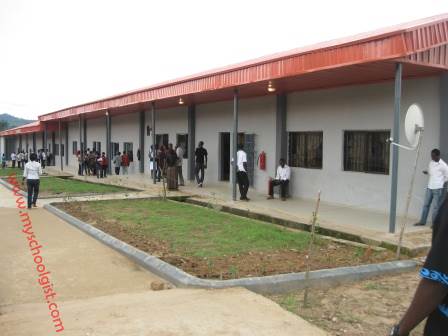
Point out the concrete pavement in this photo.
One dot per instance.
(100, 292)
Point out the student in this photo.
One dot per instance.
(44, 159)
(99, 165)
(13, 159)
(80, 165)
(151, 156)
(201, 163)
(161, 162)
(282, 179)
(3, 161)
(86, 163)
(125, 163)
(19, 159)
(241, 173)
(104, 165)
(180, 160)
(117, 163)
(438, 175)
(431, 298)
(171, 171)
(31, 173)
(92, 163)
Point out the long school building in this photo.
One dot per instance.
(329, 109)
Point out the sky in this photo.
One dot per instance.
(58, 53)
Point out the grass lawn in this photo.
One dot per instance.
(8, 171)
(55, 186)
(209, 243)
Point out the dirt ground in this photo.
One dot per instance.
(366, 308)
(255, 263)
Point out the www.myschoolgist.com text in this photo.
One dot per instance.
(43, 274)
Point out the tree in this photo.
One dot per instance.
(3, 125)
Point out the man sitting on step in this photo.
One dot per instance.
(281, 179)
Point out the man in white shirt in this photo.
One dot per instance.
(438, 175)
(281, 179)
(180, 159)
(241, 173)
(31, 173)
(13, 159)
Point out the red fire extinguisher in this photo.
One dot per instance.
(262, 161)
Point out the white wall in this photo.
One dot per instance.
(367, 107)
(73, 135)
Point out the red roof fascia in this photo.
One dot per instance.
(387, 44)
(35, 126)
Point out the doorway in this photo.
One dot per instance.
(224, 154)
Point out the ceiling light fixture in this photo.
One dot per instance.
(271, 87)
(181, 102)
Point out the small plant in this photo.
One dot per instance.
(233, 270)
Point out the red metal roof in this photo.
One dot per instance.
(421, 44)
(35, 126)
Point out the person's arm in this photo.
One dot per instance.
(277, 174)
(428, 296)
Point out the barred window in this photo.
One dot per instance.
(128, 148)
(305, 149)
(97, 146)
(75, 147)
(366, 151)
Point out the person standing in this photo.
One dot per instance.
(201, 158)
(171, 171)
(117, 163)
(3, 161)
(104, 165)
(99, 165)
(31, 173)
(438, 175)
(431, 297)
(281, 179)
(13, 159)
(19, 160)
(125, 163)
(151, 156)
(161, 162)
(180, 160)
(44, 159)
(79, 158)
(241, 173)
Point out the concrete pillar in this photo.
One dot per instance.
(191, 140)
(60, 144)
(443, 94)
(281, 135)
(45, 138)
(396, 137)
(34, 143)
(153, 117)
(20, 142)
(66, 144)
(142, 141)
(108, 141)
(27, 145)
(84, 128)
(235, 140)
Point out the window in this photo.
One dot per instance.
(62, 150)
(75, 147)
(97, 146)
(128, 148)
(161, 139)
(182, 140)
(148, 130)
(56, 149)
(115, 147)
(366, 151)
(305, 149)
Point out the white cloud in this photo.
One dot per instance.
(55, 53)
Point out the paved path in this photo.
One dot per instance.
(100, 292)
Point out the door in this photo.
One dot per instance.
(161, 139)
(115, 148)
(249, 148)
(224, 156)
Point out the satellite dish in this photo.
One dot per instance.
(413, 124)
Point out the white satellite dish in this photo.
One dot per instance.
(413, 124)
(413, 127)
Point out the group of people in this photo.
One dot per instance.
(92, 163)
(166, 162)
(20, 158)
(121, 162)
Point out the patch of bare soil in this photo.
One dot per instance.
(366, 308)
(255, 263)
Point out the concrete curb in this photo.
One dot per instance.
(10, 187)
(268, 284)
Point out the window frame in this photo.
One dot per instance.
(366, 133)
(306, 164)
(74, 147)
